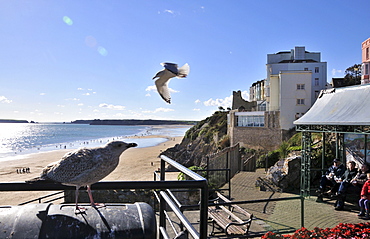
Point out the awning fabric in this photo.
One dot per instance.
(340, 106)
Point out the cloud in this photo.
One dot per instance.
(42, 93)
(196, 109)
(334, 72)
(3, 99)
(151, 88)
(86, 94)
(73, 99)
(80, 104)
(226, 102)
(197, 101)
(159, 110)
(245, 95)
(169, 11)
(154, 88)
(113, 107)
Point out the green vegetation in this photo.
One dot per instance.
(211, 128)
(294, 144)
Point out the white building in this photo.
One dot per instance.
(294, 80)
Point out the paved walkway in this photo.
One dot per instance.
(286, 215)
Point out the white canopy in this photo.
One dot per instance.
(340, 106)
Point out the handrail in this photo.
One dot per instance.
(40, 198)
(197, 182)
(22, 186)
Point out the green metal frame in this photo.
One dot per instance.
(339, 130)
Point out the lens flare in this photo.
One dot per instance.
(67, 20)
(90, 41)
(102, 51)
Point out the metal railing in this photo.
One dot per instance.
(197, 182)
(39, 199)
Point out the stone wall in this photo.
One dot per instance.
(257, 137)
(268, 137)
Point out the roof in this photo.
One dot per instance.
(340, 106)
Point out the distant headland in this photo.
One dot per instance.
(134, 122)
(13, 121)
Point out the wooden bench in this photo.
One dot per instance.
(228, 219)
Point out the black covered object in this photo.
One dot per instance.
(60, 221)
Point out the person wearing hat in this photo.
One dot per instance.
(330, 177)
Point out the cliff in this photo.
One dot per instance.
(206, 137)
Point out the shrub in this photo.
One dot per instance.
(272, 158)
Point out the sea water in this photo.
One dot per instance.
(18, 139)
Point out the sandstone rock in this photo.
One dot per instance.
(286, 173)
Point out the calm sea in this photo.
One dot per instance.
(18, 140)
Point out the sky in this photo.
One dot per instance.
(86, 59)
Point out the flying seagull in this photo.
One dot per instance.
(84, 167)
(170, 70)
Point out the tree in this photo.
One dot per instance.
(353, 75)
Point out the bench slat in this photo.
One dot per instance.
(221, 216)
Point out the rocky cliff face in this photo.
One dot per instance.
(207, 136)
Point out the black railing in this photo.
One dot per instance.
(49, 197)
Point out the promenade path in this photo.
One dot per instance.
(280, 216)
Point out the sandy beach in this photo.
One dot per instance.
(136, 164)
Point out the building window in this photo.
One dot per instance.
(300, 101)
(366, 69)
(367, 53)
(251, 121)
(317, 82)
(300, 86)
(317, 70)
(317, 93)
(305, 69)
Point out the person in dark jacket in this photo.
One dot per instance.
(361, 177)
(333, 173)
(345, 182)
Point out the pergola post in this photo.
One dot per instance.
(306, 164)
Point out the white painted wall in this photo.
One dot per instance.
(289, 95)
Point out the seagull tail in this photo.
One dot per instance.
(184, 71)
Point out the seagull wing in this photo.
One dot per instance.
(159, 74)
(183, 71)
(74, 165)
(162, 85)
(171, 67)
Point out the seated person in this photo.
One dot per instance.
(333, 173)
(364, 202)
(345, 182)
(361, 177)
